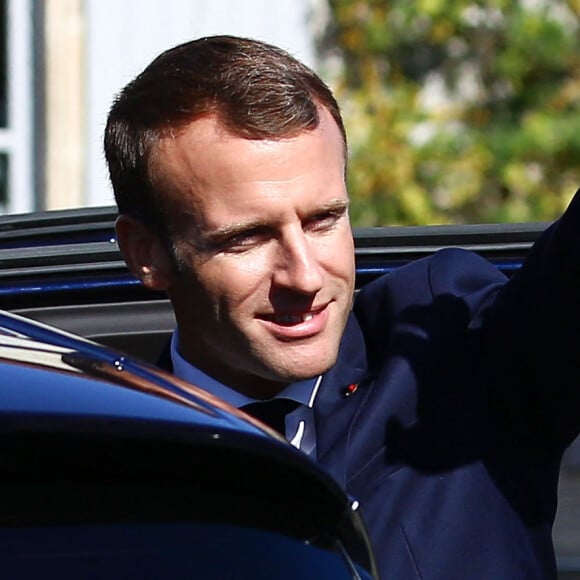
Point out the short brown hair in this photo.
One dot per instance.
(257, 91)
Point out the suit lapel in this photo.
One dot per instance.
(336, 404)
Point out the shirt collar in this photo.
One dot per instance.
(303, 392)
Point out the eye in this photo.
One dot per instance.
(243, 240)
(325, 220)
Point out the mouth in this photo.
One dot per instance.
(291, 318)
(300, 323)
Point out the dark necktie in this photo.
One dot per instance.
(272, 412)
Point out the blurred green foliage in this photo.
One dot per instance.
(457, 110)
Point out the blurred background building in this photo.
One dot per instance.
(463, 111)
(62, 62)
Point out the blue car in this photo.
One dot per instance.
(110, 468)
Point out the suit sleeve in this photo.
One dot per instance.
(530, 336)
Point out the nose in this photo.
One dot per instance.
(298, 266)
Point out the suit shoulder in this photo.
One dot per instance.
(447, 270)
(461, 272)
(451, 272)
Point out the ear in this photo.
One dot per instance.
(144, 252)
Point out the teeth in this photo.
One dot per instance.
(293, 318)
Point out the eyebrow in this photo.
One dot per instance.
(236, 228)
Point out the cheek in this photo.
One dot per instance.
(233, 281)
(338, 256)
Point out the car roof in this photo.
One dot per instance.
(62, 361)
(65, 400)
(49, 375)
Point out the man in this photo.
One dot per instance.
(442, 399)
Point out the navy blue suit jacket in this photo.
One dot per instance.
(469, 392)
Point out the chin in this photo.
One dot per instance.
(304, 370)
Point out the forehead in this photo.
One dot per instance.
(205, 165)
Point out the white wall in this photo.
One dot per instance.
(16, 137)
(123, 36)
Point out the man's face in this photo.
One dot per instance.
(265, 250)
